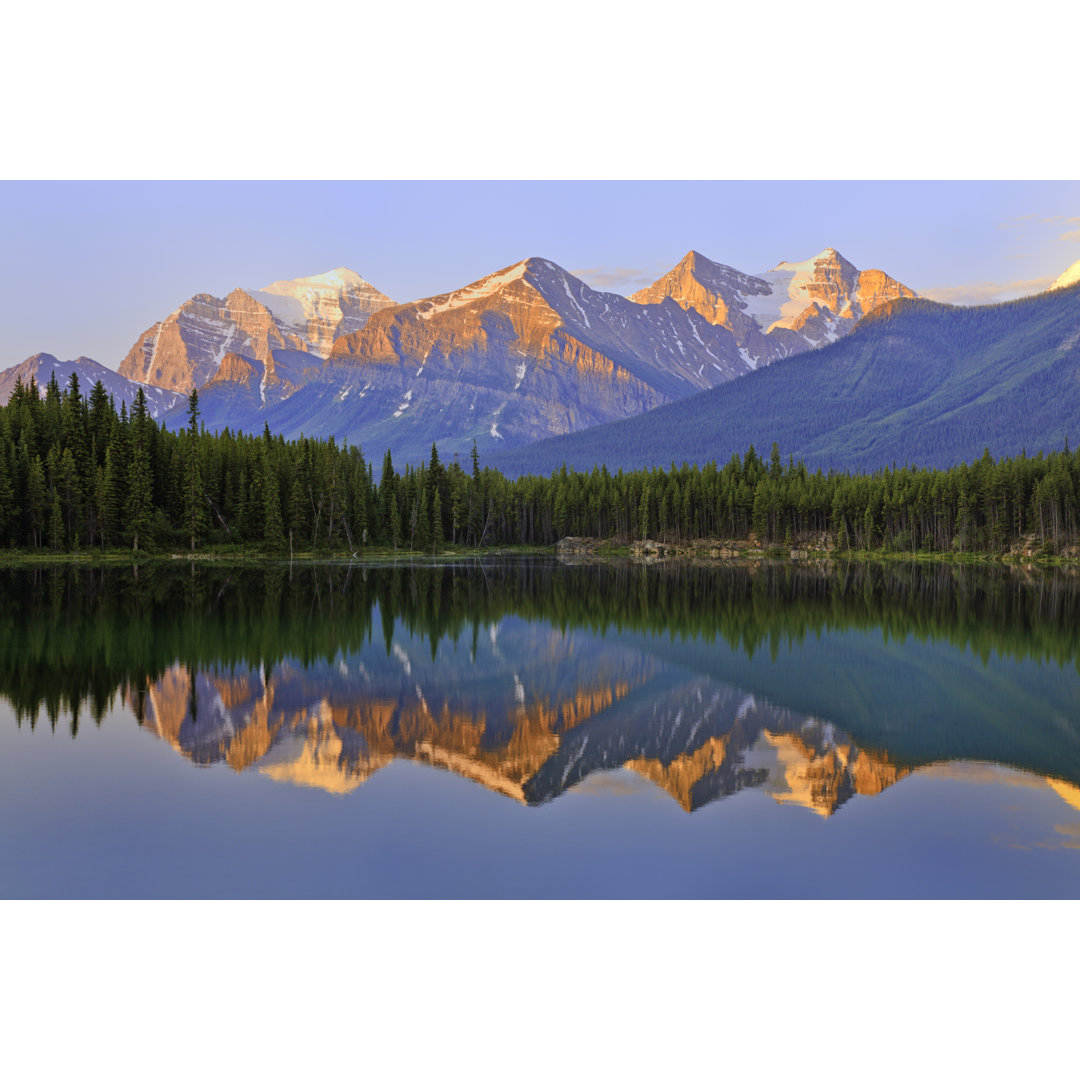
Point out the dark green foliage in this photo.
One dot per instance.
(194, 497)
(139, 502)
(145, 486)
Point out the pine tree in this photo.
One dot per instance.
(194, 491)
(68, 489)
(436, 523)
(7, 493)
(37, 501)
(113, 486)
(56, 523)
(457, 502)
(423, 532)
(139, 502)
(100, 419)
(298, 514)
(273, 533)
(643, 513)
(389, 519)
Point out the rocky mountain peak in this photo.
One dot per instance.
(787, 310)
(302, 315)
(825, 265)
(235, 368)
(483, 289)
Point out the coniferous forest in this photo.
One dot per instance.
(75, 474)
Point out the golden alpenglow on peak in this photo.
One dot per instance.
(794, 307)
(483, 289)
(1069, 277)
(528, 351)
(184, 351)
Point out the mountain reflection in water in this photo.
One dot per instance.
(529, 677)
(510, 730)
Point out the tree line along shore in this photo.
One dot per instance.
(78, 475)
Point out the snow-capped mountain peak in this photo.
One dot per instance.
(322, 307)
(341, 276)
(303, 315)
(827, 277)
(1070, 277)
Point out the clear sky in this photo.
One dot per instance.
(86, 266)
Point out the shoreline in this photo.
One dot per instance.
(571, 550)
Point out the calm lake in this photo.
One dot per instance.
(525, 728)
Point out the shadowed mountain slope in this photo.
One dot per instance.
(917, 382)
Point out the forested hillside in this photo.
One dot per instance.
(76, 474)
(915, 383)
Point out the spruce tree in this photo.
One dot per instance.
(298, 513)
(56, 523)
(194, 491)
(436, 523)
(139, 504)
(7, 493)
(37, 502)
(273, 532)
(423, 533)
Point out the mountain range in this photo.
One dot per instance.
(695, 366)
(524, 353)
(917, 383)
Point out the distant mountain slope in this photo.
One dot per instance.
(41, 366)
(916, 382)
(526, 352)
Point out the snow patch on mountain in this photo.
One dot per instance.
(789, 295)
(478, 290)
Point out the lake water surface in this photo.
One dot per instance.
(524, 728)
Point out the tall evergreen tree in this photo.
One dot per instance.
(194, 491)
(274, 531)
(139, 503)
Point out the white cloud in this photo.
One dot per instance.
(986, 292)
(621, 279)
(1072, 235)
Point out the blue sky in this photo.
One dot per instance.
(87, 266)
